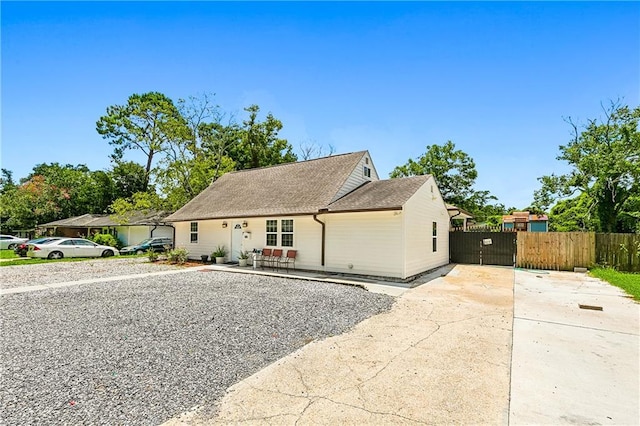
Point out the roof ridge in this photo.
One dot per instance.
(298, 162)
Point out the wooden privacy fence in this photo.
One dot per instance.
(621, 251)
(566, 250)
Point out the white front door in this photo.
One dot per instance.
(236, 241)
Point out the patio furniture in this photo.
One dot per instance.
(264, 257)
(273, 261)
(289, 259)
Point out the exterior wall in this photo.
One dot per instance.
(507, 226)
(357, 177)
(307, 236)
(419, 212)
(130, 235)
(538, 226)
(210, 235)
(371, 242)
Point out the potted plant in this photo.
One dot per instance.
(219, 254)
(243, 258)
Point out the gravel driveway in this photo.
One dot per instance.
(142, 350)
(59, 272)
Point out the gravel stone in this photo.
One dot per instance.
(57, 272)
(143, 350)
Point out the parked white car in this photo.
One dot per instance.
(9, 242)
(70, 247)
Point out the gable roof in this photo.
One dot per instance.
(286, 189)
(103, 220)
(390, 194)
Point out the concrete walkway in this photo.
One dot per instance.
(573, 365)
(441, 355)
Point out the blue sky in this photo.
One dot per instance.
(495, 78)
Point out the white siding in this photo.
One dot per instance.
(161, 231)
(370, 242)
(210, 235)
(307, 236)
(307, 239)
(420, 211)
(357, 178)
(130, 235)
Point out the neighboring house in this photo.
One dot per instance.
(333, 210)
(139, 226)
(456, 213)
(525, 221)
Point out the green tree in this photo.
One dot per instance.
(6, 181)
(147, 122)
(605, 160)
(32, 202)
(453, 169)
(128, 178)
(259, 144)
(200, 154)
(123, 209)
(573, 215)
(88, 191)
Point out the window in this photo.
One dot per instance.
(435, 236)
(367, 172)
(194, 232)
(287, 233)
(272, 232)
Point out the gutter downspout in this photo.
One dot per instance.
(315, 217)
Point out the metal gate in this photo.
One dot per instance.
(483, 248)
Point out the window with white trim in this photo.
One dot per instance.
(435, 236)
(194, 232)
(272, 232)
(283, 233)
(366, 172)
(286, 238)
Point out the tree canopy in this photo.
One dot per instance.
(455, 172)
(147, 122)
(604, 156)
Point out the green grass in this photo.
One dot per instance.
(8, 254)
(625, 280)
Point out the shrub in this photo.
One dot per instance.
(152, 255)
(219, 252)
(178, 255)
(106, 240)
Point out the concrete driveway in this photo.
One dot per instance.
(454, 351)
(573, 365)
(441, 355)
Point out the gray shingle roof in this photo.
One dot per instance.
(100, 220)
(286, 189)
(380, 195)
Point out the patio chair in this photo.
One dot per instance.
(289, 259)
(276, 254)
(264, 257)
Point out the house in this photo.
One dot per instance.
(525, 221)
(458, 214)
(138, 227)
(334, 211)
